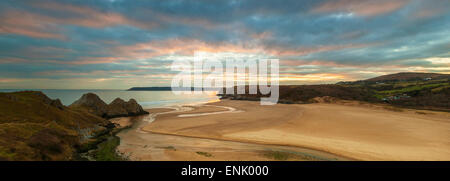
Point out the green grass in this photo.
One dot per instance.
(287, 155)
(413, 88)
(106, 151)
(277, 155)
(379, 96)
(6, 153)
(28, 120)
(438, 89)
(170, 148)
(206, 154)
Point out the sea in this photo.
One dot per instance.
(147, 99)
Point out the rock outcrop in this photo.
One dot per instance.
(55, 103)
(35, 127)
(92, 103)
(117, 108)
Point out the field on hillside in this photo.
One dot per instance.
(402, 89)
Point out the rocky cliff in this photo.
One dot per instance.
(35, 127)
(92, 103)
(117, 108)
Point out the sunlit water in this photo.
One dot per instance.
(148, 99)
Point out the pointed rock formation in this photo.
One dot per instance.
(133, 108)
(55, 103)
(117, 108)
(92, 103)
(120, 108)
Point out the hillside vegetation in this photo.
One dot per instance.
(35, 127)
(292, 94)
(411, 90)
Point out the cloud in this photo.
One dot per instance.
(130, 43)
(87, 16)
(10, 80)
(28, 24)
(428, 9)
(12, 60)
(361, 7)
(47, 21)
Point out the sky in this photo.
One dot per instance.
(117, 44)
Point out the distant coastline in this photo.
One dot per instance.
(170, 89)
(149, 89)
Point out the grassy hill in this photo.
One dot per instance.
(34, 127)
(292, 94)
(411, 90)
(407, 76)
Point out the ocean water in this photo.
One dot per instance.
(148, 99)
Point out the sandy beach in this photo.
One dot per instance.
(137, 144)
(337, 131)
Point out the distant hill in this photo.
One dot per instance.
(293, 94)
(168, 89)
(411, 90)
(408, 76)
(150, 89)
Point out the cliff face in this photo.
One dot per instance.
(117, 108)
(92, 103)
(35, 127)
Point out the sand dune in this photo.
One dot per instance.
(359, 131)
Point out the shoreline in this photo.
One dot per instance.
(341, 158)
(231, 110)
(381, 131)
(260, 152)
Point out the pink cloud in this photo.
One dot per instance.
(299, 51)
(28, 24)
(314, 62)
(44, 26)
(179, 47)
(10, 80)
(93, 60)
(12, 60)
(361, 7)
(89, 17)
(428, 10)
(188, 47)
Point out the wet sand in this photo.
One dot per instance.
(141, 145)
(351, 130)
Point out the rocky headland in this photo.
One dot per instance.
(35, 127)
(117, 108)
